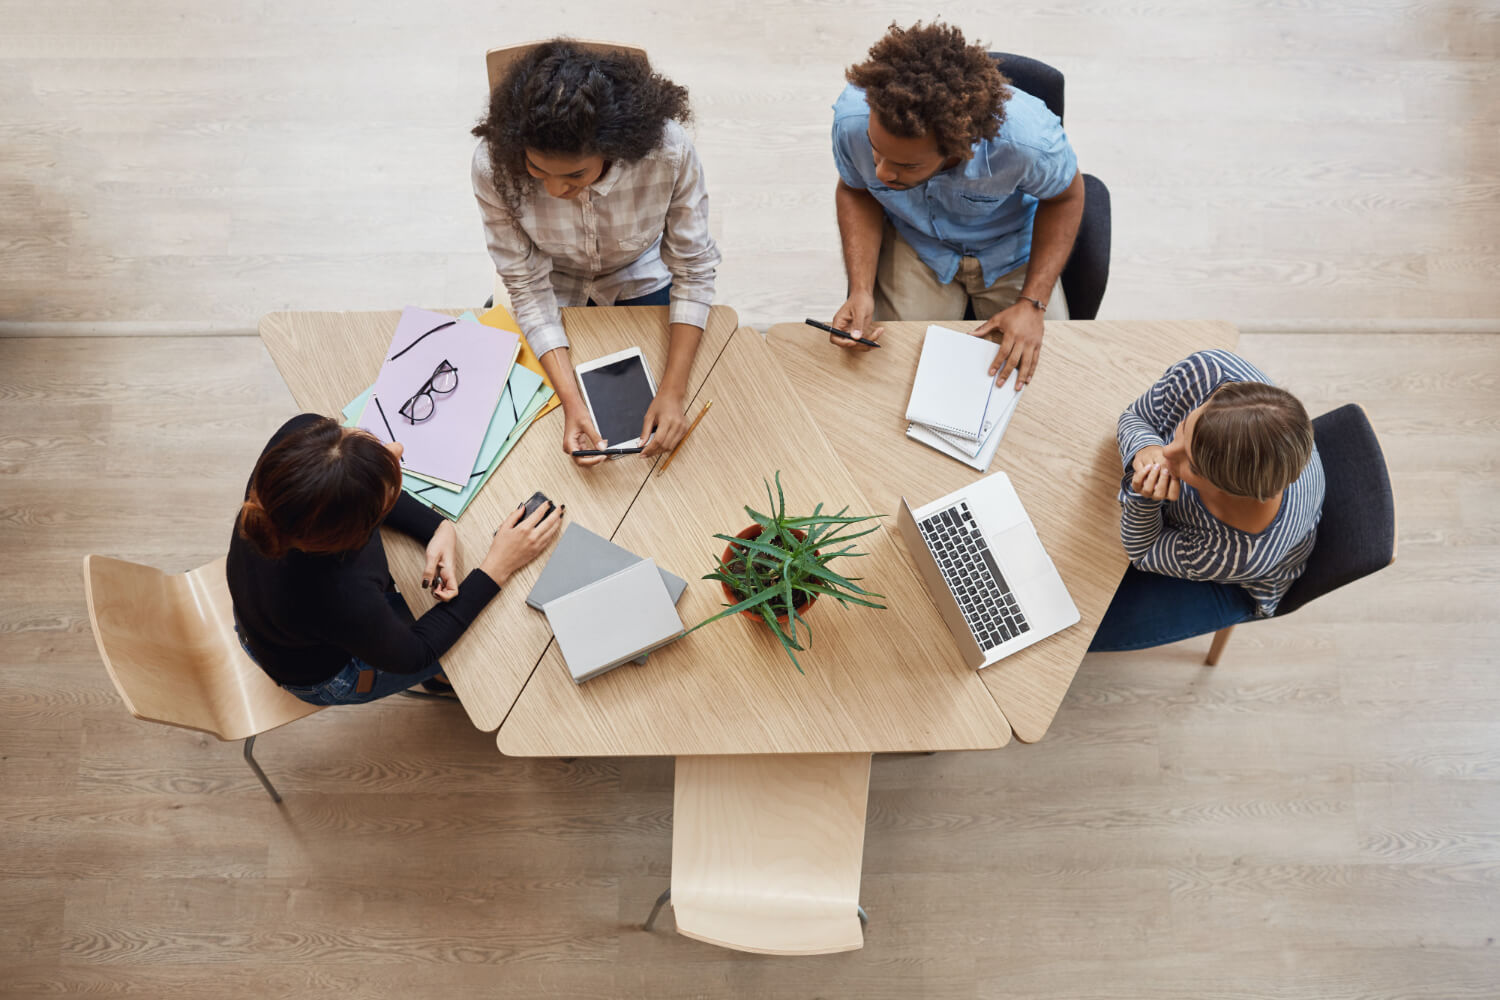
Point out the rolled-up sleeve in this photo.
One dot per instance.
(526, 271)
(687, 249)
(1049, 161)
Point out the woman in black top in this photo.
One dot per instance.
(314, 602)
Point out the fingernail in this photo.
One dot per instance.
(424, 584)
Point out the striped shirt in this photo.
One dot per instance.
(1180, 537)
(638, 227)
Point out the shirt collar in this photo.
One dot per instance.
(608, 179)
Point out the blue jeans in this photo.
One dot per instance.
(340, 689)
(661, 297)
(1149, 609)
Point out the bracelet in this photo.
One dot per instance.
(1040, 305)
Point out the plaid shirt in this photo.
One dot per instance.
(636, 228)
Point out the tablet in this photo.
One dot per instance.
(618, 389)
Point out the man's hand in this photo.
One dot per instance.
(1152, 480)
(1021, 331)
(665, 423)
(579, 434)
(856, 316)
(441, 571)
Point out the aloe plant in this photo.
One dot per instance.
(770, 571)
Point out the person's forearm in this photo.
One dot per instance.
(682, 348)
(1052, 235)
(558, 365)
(861, 223)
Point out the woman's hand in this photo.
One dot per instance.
(441, 571)
(579, 433)
(517, 542)
(665, 423)
(1154, 482)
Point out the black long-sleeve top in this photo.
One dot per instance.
(305, 615)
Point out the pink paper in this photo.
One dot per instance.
(445, 445)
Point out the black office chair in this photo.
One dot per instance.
(1357, 533)
(1087, 270)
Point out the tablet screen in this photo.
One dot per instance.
(619, 394)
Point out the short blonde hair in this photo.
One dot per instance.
(1252, 440)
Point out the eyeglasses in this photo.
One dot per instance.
(422, 404)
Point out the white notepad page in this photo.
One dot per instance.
(953, 386)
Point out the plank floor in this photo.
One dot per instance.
(171, 162)
(1314, 818)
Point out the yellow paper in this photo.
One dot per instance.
(500, 318)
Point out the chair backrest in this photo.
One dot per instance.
(1035, 77)
(168, 643)
(498, 61)
(1357, 532)
(767, 851)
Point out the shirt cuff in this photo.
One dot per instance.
(689, 312)
(546, 338)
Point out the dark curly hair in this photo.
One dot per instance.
(562, 99)
(926, 80)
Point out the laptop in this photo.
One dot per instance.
(986, 570)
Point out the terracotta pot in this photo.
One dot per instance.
(753, 532)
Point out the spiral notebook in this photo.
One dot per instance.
(953, 389)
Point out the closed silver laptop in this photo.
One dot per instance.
(986, 570)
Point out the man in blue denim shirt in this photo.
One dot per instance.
(954, 189)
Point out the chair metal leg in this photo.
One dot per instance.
(864, 918)
(1221, 639)
(660, 902)
(254, 766)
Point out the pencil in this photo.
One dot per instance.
(673, 453)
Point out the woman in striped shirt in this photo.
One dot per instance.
(592, 194)
(1220, 499)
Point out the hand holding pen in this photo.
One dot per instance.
(843, 338)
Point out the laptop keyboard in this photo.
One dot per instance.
(973, 576)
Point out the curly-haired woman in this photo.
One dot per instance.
(592, 194)
(955, 188)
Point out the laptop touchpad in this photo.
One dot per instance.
(1020, 553)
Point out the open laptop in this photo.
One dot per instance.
(986, 570)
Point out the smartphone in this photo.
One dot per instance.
(618, 390)
(537, 499)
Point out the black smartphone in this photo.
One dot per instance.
(537, 499)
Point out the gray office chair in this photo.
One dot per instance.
(1357, 533)
(1086, 273)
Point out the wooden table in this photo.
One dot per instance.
(1059, 452)
(329, 358)
(875, 680)
(830, 422)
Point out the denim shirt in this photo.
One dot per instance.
(980, 208)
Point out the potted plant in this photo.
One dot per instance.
(776, 568)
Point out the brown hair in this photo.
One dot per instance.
(1252, 440)
(322, 488)
(926, 80)
(565, 100)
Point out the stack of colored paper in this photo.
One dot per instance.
(524, 396)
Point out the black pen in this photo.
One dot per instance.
(595, 452)
(840, 333)
(387, 423)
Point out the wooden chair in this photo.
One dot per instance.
(498, 61)
(1357, 532)
(169, 645)
(767, 851)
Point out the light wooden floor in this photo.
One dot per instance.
(1316, 818)
(184, 166)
